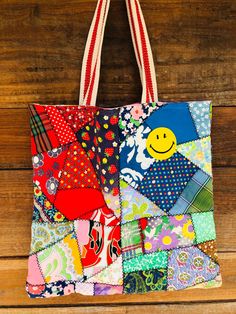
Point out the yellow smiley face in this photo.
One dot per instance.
(161, 143)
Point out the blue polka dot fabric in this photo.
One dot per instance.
(132, 210)
(166, 179)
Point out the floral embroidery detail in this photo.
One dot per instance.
(37, 191)
(47, 204)
(136, 113)
(178, 220)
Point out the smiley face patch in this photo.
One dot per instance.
(134, 197)
(161, 143)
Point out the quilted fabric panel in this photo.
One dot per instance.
(123, 200)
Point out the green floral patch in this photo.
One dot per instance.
(135, 205)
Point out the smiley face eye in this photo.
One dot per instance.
(164, 135)
(157, 136)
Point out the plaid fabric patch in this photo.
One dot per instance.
(41, 129)
(197, 196)
(131, 240)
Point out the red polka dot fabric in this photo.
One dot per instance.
(62, 129)
(78, 170)
(76, 116)
(109, 215)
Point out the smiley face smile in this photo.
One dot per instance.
(166, 151)
(161, 143)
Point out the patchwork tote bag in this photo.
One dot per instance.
(123, 198)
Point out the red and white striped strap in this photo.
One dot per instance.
(92, 56)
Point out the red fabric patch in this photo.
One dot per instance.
(77, 117)
(103, 215)
(78, 170)
(76, 202)
(114, 239)
(35, 140)
(143, 223)
(43, 138)
(61, 127)
(47, 168)
(98, 243)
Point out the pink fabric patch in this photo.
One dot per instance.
(82, 231)
(35, 276)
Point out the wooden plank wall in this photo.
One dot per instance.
(41, 48)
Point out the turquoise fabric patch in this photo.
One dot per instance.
(146, 262)
(204, 226)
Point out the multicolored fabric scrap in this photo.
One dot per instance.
(123, 200)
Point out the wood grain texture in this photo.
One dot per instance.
(41, 50)
(13, 273)
(42, 44)
(15, 138)
(211, 308)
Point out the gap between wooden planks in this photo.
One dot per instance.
(194, 60)
(15, 137)
(13, 274)
(211, 308)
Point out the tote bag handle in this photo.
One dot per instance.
(92, 56)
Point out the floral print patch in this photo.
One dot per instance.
(134, 158)
(188, 267)
(131, 117)
(123, 200)
(136, 205)
(168, 232)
